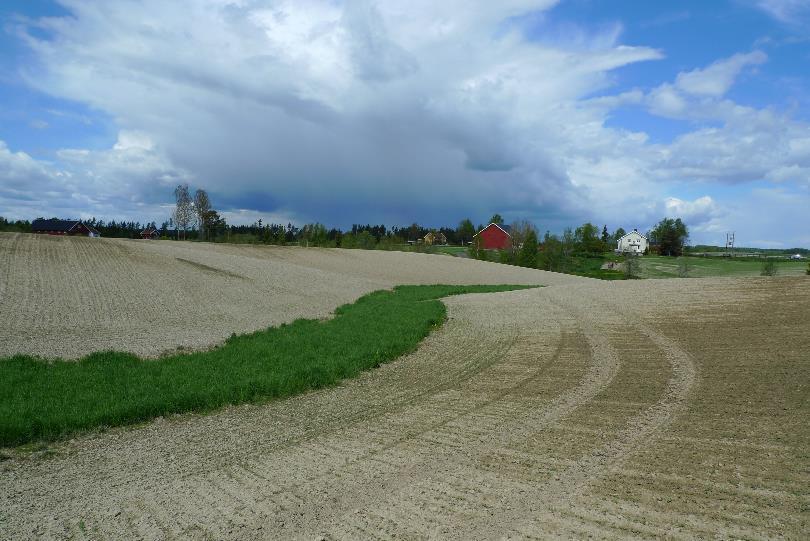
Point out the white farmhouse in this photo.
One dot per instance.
(633, 242)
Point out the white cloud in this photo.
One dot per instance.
(340, 111)
(786, 11)
(667, 101)
(728, 143)
(129, 140)
(716, 79)
(697, 212)
(126, 181)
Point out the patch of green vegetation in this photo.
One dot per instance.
(704, 267)
(47, 400)
(424, 248)
(451, 250)
(591, 267)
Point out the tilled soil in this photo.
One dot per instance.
(69, 296)
(606, 409)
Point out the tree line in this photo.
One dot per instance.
(194, 218)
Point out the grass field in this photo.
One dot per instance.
(433, 249)
(705, 267)
(49, 399)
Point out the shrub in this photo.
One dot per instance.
(768, 268)
(683, 267)
(632, 266)
(527, 257)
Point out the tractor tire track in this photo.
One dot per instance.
(513, 420)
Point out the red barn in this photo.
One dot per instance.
(495, 237)
(63, 227)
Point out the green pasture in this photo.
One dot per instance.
(704, 267)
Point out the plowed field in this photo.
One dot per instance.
(667, 408)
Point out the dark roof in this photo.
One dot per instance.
(59, 225)
(53, 225)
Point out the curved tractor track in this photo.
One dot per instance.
(567, 411)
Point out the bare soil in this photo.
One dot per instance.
(69, 296)
(639, 409)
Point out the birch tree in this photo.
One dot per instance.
(183, 211)
(202, 206)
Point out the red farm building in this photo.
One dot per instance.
(150, 233)
(495, 237)
(63, 227)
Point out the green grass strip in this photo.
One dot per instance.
(50, 399)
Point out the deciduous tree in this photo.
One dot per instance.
(465, 230)
(587, 238)
(527, 257)
(670, 236)
(183, 210)
(519, 232)
(202, 205)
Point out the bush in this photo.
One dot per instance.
(391, 242)
(632, 266)
(683, 267)
(768, 268)
(476, 250)
(422, 248)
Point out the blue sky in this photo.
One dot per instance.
(616, 112)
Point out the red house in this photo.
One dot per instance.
(495, 237)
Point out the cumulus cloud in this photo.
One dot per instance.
(341, 111)
(729, 143)
(698, 94)
(127, 181)
(697, 212)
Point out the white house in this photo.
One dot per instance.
(633, 242)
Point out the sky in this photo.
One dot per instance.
(617, 112)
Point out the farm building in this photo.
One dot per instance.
(495, 237)
(150, 233)
(63, 227)
(435, 237)
(633, 243)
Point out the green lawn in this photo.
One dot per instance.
(452, 250)
(437, 249)
(702, 267)
(47, 400)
